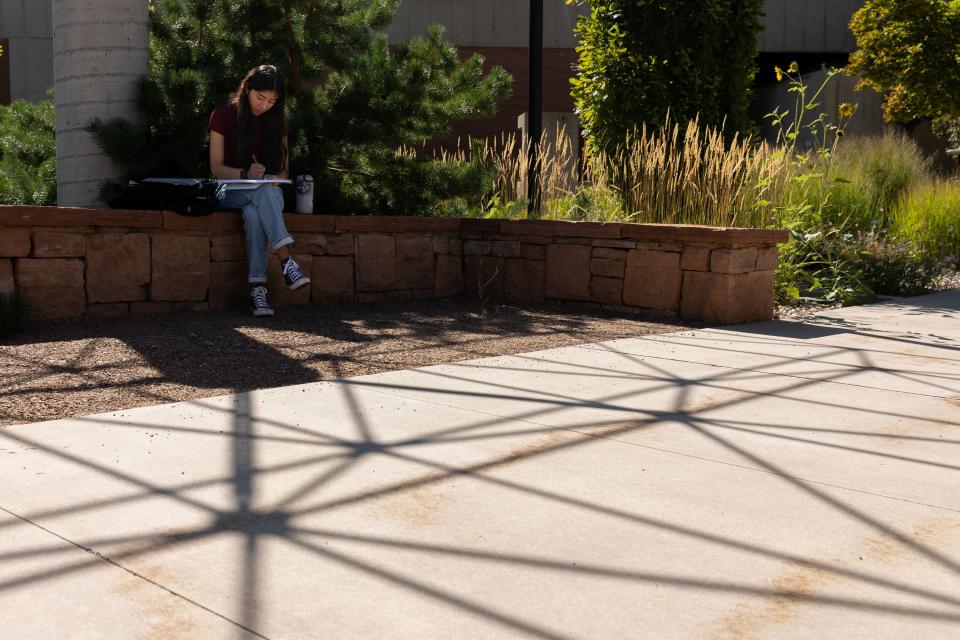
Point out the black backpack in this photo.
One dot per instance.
(195, 199)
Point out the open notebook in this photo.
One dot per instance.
(228, 183)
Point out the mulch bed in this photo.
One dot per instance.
(87, 366)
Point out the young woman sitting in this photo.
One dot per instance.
(248, 140)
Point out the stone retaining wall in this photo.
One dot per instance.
(73, 262)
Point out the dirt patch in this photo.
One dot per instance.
(421, 505)
(801, 584)
(552, 440)
(88, 366)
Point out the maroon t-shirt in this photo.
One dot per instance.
(223, 120)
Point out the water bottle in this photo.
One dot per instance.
(304, 186)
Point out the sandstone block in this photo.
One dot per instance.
(14, 243)
(652, 279)
(376, 262)
(340, 244)
(180, 268)
(7, 286)
(606, 290)
(615, 244)
(228, 248)
(484, 276)
(610, 254)
(568, 272)
(456, 246)
(533, 251)
(660, 246)
(541, 240)
(278, 294)
(525, 280)
(449, 276)
(53, 244)
(53, 288)
(314, 244)
(228, 285)
(767, 259)
(733, 261)
(695, 259)
(441, 244)
(607, 268)
(642, 256)
(727, 298)
(332, 278)
(118, 267)
(49, 273)
(415, 263)
(476, 248)
(505, 248)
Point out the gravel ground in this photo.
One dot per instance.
(82, 367)
(88, 366)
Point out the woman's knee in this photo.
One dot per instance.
(270, 191)
(250, 216)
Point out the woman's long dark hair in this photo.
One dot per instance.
(262, 78)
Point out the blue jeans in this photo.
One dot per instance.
(262, 221)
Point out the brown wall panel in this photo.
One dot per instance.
(557, 71)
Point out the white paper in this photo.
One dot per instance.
(183, 181)
(235, 184)
(252, 181)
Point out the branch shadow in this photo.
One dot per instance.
(251, 522)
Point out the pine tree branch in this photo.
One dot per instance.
(294, 57)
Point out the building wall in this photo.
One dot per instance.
(808, 26)
(814, 31)
(486, 23)
(28, 26)
(794, 26)
(791, 26)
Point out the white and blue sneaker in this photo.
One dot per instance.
(292, 275)
(259, 299)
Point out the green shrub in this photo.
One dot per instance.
(640, 61)
(822, 265)
(28, 154)
(871, 176)
(354, 102)
(929, 217)
(898, 268)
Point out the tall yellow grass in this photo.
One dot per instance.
(674, 174)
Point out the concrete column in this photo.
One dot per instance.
(99, 53)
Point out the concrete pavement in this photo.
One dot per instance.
(776, 480)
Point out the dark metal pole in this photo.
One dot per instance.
(535, 111)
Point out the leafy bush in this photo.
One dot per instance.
(640, 61)
(929, 217)
(28, 154)
(907, 51)
(892, 267)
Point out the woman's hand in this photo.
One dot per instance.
(256, 170)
